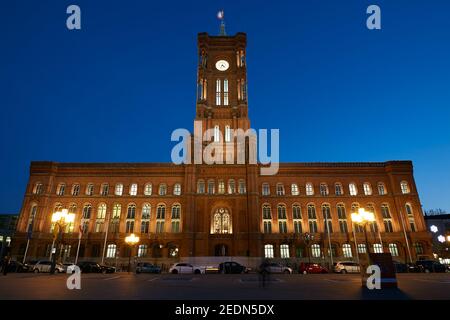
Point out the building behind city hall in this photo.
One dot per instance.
(219, 212)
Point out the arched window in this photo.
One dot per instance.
(377, 248)
(133, 189)
(216, 134)
(218, 93)
(87, 210)
(119, 189)
(200, 186)
(315, 251)
(131, 212)
(227, 134)
(373, 225)
(381, 188)
(146, 211)
(101, 214)
(280, 189)
(356, 227)
(162, 189)
(267, 218)
(294, 189)
(221, 221)
(347, 250)
(282, 219)
(211, 186)
(409, 212)
(176, 216)
(393, 249)
(297, 216)
(225, 92)
(323, 189)
(265, 189)
(117, 209)
(387, 220)
(309, 189)
(352, 189)
(342, 216)
(148, 189)
(221, 187)
(268, 251)
(326, 213)
(111, 251)
(284, 251)
(38, 188)
(160, 218)
(104, 190)
(177, 189)
(367, 189)
(405, 187)
(312, 218)
(76, 189)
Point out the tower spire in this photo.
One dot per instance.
(221, 17)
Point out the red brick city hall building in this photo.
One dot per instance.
(222, 211)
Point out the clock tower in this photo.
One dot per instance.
(222, 85)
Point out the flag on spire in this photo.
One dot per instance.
(220, 15)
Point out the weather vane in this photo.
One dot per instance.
(221, 17)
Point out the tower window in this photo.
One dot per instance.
(218, 93)
(227, 134)
(216, 134)
(225, 92)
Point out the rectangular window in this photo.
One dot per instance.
(218, 93)
(221, 188)
(265, 189)
(225, 92)
(297, 226)
(105, 189)
(267, 226)
(313, 226)
(338, 189)
(175, 226)
(145, 226)
(241, 187)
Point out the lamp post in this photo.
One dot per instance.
(131, 240)
(362, 218)
(308, 237)
(61, 219)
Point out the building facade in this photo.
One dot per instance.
(202, 211)
(8, 224)
(439, 225)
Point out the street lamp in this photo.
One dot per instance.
(363, 217)
(308, 237)
(61, 219)
(131, 240)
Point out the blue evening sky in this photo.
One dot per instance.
(115, 90)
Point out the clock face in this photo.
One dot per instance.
(222, 65)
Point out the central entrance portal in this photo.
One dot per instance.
(221, 250)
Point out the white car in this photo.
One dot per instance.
(186, 268)
(346, 267)
(278, 268)
(45, 266)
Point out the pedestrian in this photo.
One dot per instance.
(6, 262)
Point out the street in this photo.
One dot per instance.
(219, 287)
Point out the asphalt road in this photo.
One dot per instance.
(219, 287)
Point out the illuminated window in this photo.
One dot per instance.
(231, 186)
(142, 250)
(347, 250)
(393, 249)
(342, 218)
(225, 92)
(177, 189)
(353, 190)
(362, 248)
(241, 186)
(216, 134)
(356, 227)
(405, 187)
(312, 218)
(326, 212)
(367, 189)
(297, 216)
(221, 221)
(133, 189)
(294, 189)
(227, 134)
(176, 211)
(282, 222)
(119, 189)
(211, 187)
(111, 250)
(284, 251)
(218, 93)
(309, 189)
(160, 218)
(377, 248)
(268, 251)
(315, 251)
(101, 215)
(146, 211)
(38, 188)
(148, 189)
(409, 212)
(221, 187)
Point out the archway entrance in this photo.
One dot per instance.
(220, 250)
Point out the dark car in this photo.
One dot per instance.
(94, 267)
(144, 267)
(232, 267)
(311, 268)
(16, 266)
(107, 269)
(430, 266)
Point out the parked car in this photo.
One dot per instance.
(346, 267)
(406, 267)
(30, 264)
(94, 267)
(232, 267)
(431, 266)
(186, 268)
(16, 266)
(46, 265)
(144, 267)
(311, 268)
(273, 267)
